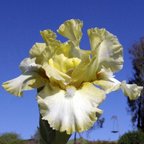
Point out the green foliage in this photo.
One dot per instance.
(102, 142)
(10, 138)
(135, 137)
(83, 141)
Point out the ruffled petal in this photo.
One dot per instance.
(106, 80)
(38, 51)
(108, 85)
(107, 49)
(64, 64)
(49, 37)
(131, 90)
(53, 46)
(33, 77)
(29, 64)
(85, 71)
(25, 81)
(71, 110)
(71, 29)
(55, 75)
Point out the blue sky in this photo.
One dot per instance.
(20, 24)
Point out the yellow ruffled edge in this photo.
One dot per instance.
(54, 107)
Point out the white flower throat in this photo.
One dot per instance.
(70, 91)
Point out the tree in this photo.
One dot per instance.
(136, 107)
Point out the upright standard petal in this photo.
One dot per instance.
(131, 90)
(63, 63)
(53, 47)
(49, 37)
(71, 29)
(38, 51)
(107, 49)
(72, 109)
(85, 71)
(55, 76)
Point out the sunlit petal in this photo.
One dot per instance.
(63, 63)
(49, 37)
(54, 46)
(29, 64)
(25, 81)
(107, 49)
(131, 90)
(38, 51)
(108, 85)
(71, 29)
(105, 80)
(55, 75)
(71, 110)
(85, 71)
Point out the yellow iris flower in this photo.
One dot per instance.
(73, 81)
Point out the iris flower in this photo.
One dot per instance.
(72, 82)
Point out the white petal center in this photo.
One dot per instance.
(70, 91)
